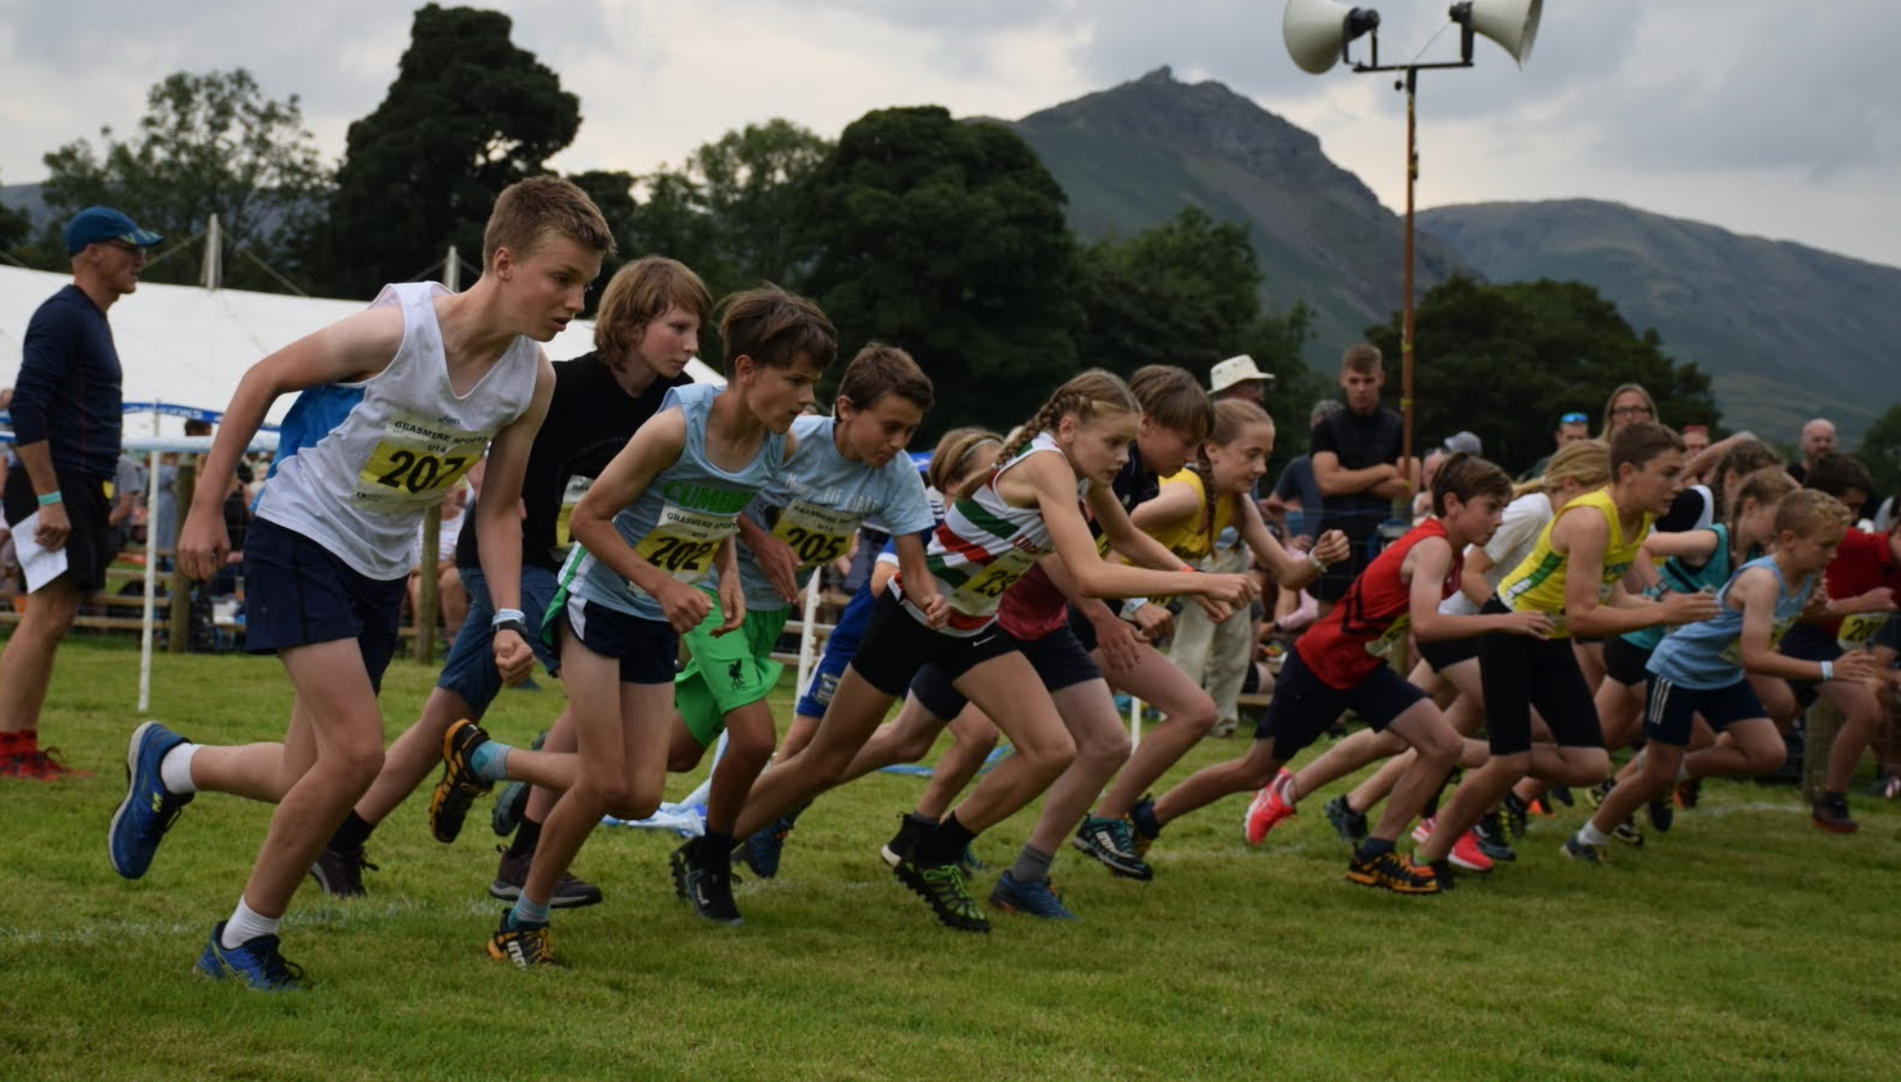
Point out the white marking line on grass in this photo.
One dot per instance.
(323, 916)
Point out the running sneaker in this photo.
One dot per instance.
(1831, 814)
(149, 809)
(460, 784)
(1888, 787)
(512, 804)
(1035, 898)
(1268, 808)
(512, 874)
(1584, 853)
(1111, 842)
(764, 849)
(340, 871)
(1465, 852)
(1514, 812)
(1446, 875)
(1349, 824)
(1562, 794)
(704, 884)
(970, 862)
(1689, 791)
(1393, 871)
(911, 828)
(1142, 824)
(1595, 794)
(1491, 837)
(1628, 833)
(44, 764)
(1661, 813)
(942, 888)
(527, 946)
(257, 962)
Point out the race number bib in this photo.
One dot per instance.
(417, 461)
(1384, 646)
(563, 518)
(979, 595)
(683, 542)
(1860, 629)
(816, 534)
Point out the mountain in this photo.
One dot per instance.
(1787, 332)
(1132, 156)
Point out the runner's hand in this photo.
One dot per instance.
(1118, 643)
(780, 565)
(1154, 622)
(685, 607)
(202, 545)
(1332, 547)
(1535, 625)
(732, 604)
(514, 659)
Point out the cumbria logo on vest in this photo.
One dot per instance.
(706, 498)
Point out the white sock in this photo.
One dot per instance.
(174, 771)
(1588, 834)
(245, 925)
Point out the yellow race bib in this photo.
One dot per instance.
(417, 461)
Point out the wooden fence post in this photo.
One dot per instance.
(426, 599)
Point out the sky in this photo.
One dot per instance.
(1765, 117)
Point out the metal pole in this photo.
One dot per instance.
(426, 600)
(1406, 330)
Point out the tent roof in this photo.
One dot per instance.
(188, 346)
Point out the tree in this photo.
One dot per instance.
(613, 192)
(1880, 451)
(948, 239)
(14, 228)
(468, 115)
(736, 211)
(1505, 361)
(1188, 293)
(208, 144)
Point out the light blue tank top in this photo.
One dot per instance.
(1708, 655)
(677, 524)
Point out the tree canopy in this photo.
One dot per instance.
(469, 114)
(1506, 361)
(209, 143)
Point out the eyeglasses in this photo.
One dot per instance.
(1574, 419)
(128, 248)
(1631, 411)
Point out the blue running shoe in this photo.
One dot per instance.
(256, 961)
(764, 849)
(148, 809)
(1035, 898)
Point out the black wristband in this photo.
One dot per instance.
(516, 626)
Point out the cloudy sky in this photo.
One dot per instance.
(1763, 116)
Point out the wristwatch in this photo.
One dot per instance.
(516, 626)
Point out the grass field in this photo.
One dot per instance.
(1743, 945)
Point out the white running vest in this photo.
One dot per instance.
(359, 463)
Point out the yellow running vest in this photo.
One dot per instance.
(1537, 584)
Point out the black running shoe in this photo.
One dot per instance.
(942, 888)
(1446, 874)
(512, 875)
(1349, 824)
(1595, 794)
(1492, 838)
(528, 946)
(706, 885)
(1516, 815)
(1628, 833)
(1112, 843)
(911, 828)
(1394, 872)
(1562, 794)
(460, 784)
(340, 871)
(1661, 813)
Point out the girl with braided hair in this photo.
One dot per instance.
(1062, 461)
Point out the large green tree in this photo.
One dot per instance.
(469, 114)
(1880, 450)
(1187, 292)
(1505, 361)
(948, 238)
(209, 143)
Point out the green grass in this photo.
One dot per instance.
(1743, 945)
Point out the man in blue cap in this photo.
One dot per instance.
(66, 423)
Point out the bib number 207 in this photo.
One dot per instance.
(419, 473)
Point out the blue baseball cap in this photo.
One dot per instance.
(97, 225)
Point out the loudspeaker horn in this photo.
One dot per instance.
(1317, 31)
(1511, 23)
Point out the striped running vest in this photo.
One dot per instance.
(984, 546)
(1537, 584)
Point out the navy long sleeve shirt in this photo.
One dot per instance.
(69, 392)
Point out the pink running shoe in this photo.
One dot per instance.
(1269, 807)
(1465, 853)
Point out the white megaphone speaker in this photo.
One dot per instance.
(1317, 31)
(1511, 23)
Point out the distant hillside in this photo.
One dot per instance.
(1788, 332)
(1132, 156)
(26, 199)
